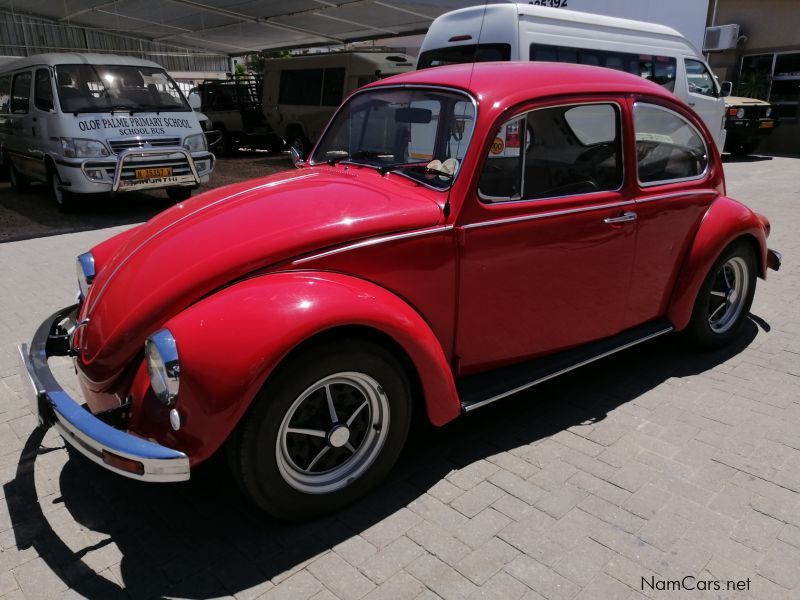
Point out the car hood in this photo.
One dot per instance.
(200, 245)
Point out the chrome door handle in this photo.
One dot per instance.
(623, 218)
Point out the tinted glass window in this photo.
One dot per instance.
(558, 151)
(668, 148)
(699, 80)
(43, 90)
(464, 54)
(333, 88)
(21, 93)
(659, 69)
(301, 87)
(5, 94)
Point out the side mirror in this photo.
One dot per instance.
(297, 160)
(195, 101)
(726, 89)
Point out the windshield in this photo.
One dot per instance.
(106, 88)
(411, 131)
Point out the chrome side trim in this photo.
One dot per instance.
(96, 297)
(371, 242)
(547, 215)
(520, 388)
(708, 192)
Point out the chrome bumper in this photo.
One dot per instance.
(95, 439)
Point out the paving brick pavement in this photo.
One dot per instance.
(656, 463)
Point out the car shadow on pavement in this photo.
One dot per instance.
(201, 538)
(34, 214)
(730, 158)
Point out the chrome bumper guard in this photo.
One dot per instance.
(774, 259)
(192, 179)
(98, 441)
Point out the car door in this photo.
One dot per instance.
(547, 242)
(703, 95)
(676, 184)
(42, 120)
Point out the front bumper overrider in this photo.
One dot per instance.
(113, 449)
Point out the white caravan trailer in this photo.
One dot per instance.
(301, 93)
(528, 32)
(89, 123)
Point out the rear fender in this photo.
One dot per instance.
(230, 342)
(725, 221)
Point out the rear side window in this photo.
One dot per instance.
(464, 54)
(43, 90)
(21, 93)
(668, 147)
(300, 87)
(5, 94)
(333, 87)
(553, 152)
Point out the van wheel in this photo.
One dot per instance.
(19, 182)
(300, 143)
(65, 201)
(324, 430)
(179, 194)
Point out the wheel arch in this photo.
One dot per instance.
(726, 222)
(232, 342)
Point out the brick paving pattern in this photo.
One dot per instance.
(657, 462)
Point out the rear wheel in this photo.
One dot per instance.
(179, 194)
(724, 300)
(324, 430)
(19, 182)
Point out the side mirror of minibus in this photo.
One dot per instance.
(195, 101)
(726, 89)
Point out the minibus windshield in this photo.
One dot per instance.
(109, 88)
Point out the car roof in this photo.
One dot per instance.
(499, 81)
(76, 58)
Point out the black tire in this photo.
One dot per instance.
(228, 144)
(300, 143)
(65, 200)
(179, 194)
(258, 461)
(19, 182)
(700, 331)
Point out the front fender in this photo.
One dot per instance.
(725, 221)
(231, 341)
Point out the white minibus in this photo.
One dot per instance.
(529, 32)
(91, 123)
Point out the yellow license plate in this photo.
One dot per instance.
(767, 124)
(153, 173)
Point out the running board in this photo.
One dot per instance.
(484, 388)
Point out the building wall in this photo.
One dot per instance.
(772, 27)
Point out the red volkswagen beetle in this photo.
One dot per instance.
(458, 234)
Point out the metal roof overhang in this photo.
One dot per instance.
(244, 26)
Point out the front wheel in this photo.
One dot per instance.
(325, 430)
(65, 201)
(724, 299)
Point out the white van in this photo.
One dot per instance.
(89, 123)
(301, 93)
(529, 32)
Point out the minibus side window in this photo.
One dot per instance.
(5, 94)
(21, 93)
(43, 90)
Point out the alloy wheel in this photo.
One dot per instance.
(728, 294)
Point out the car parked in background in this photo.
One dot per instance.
(333, 301)
(747, 121)
(95, 123)
(233, 108)
(301, 93)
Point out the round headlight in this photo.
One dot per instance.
(163, 366)
(740, 113)
(768, 111)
